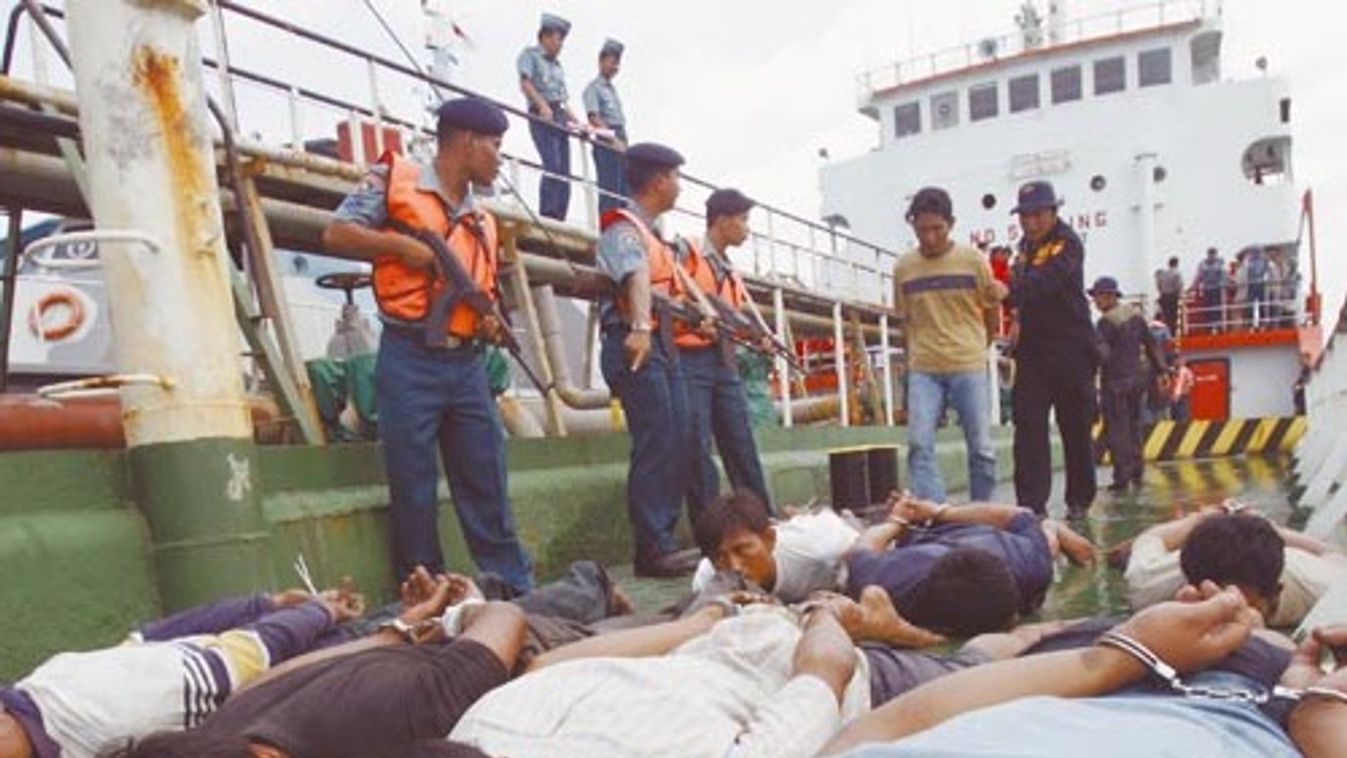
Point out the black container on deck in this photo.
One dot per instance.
(862, 476)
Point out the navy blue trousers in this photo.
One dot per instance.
(654, 400)
(611, 167)
(554, 152)
(434, 400)
(718, 408)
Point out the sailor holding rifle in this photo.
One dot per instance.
(639, 359)
(438, 305)
(717, 405)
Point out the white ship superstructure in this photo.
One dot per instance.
(1155, 153)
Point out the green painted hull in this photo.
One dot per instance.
(81, 564)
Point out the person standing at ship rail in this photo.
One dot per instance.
(949, 304)
(544, 86)
(717, 404)
(437, 396)
(639, 359)
(1055, 355)
(604, 109)
(1169, 288)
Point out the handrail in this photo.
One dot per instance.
(819, 258)
(323, 40)
(1009, 44)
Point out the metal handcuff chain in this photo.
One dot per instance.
(1170, 676)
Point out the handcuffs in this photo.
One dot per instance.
(1170, 676)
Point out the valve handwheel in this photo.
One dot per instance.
(346, 281)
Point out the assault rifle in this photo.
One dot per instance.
(458, 288)
(735, 326)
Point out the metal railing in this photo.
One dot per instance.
(792, 247)
(1010, 44)
(1236, 315)
(794, 253)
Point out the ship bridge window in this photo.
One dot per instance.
(1110, 75)
(1268, 161)
(944, 110)
(984, 101)
(1154, 67)
(1023, 93)
(907, 119)
(1065, 84)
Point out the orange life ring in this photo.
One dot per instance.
(74, 320)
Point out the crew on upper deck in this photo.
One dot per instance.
(544, 86)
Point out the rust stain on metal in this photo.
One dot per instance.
(157, 76)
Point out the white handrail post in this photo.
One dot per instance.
(782, 368)
(840, 356)
(886, 366)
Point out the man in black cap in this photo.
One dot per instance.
(1123, 335)
(717, 405)
(643, 370)
(433, 393)
(544, 86)
(1055, 355)
(604, 109)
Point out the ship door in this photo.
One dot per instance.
(1211, 389)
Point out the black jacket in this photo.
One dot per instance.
(1047, 289)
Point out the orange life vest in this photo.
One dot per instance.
(730, 289)
(404, 294)
(659, 260)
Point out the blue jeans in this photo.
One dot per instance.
(438, 400)
(717, 407)
(654, 400)
(554, 152)
(927, 397)
(611, 168)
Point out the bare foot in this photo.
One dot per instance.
(619, 603)
(1076, 548)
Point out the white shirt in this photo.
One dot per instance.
(808, 556)
(1153, 575)
(727, 693)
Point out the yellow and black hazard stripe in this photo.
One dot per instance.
(1176, 440)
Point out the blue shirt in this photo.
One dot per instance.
(368, 204)
(545, 74)
(1211, 274)
(1256, 267)
(1021, 545)
(621, 253)
(601, 100)
(1118, 726)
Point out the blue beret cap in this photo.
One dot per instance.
(612, 47)
(1105, 285)
(727, 202)
(474, 114)
(1036, 196)
(554, 23)
(652, 154)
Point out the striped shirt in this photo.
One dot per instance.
(727, 693)
(88, 702)
(942, 302)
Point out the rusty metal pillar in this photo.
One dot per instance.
(151, 166)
